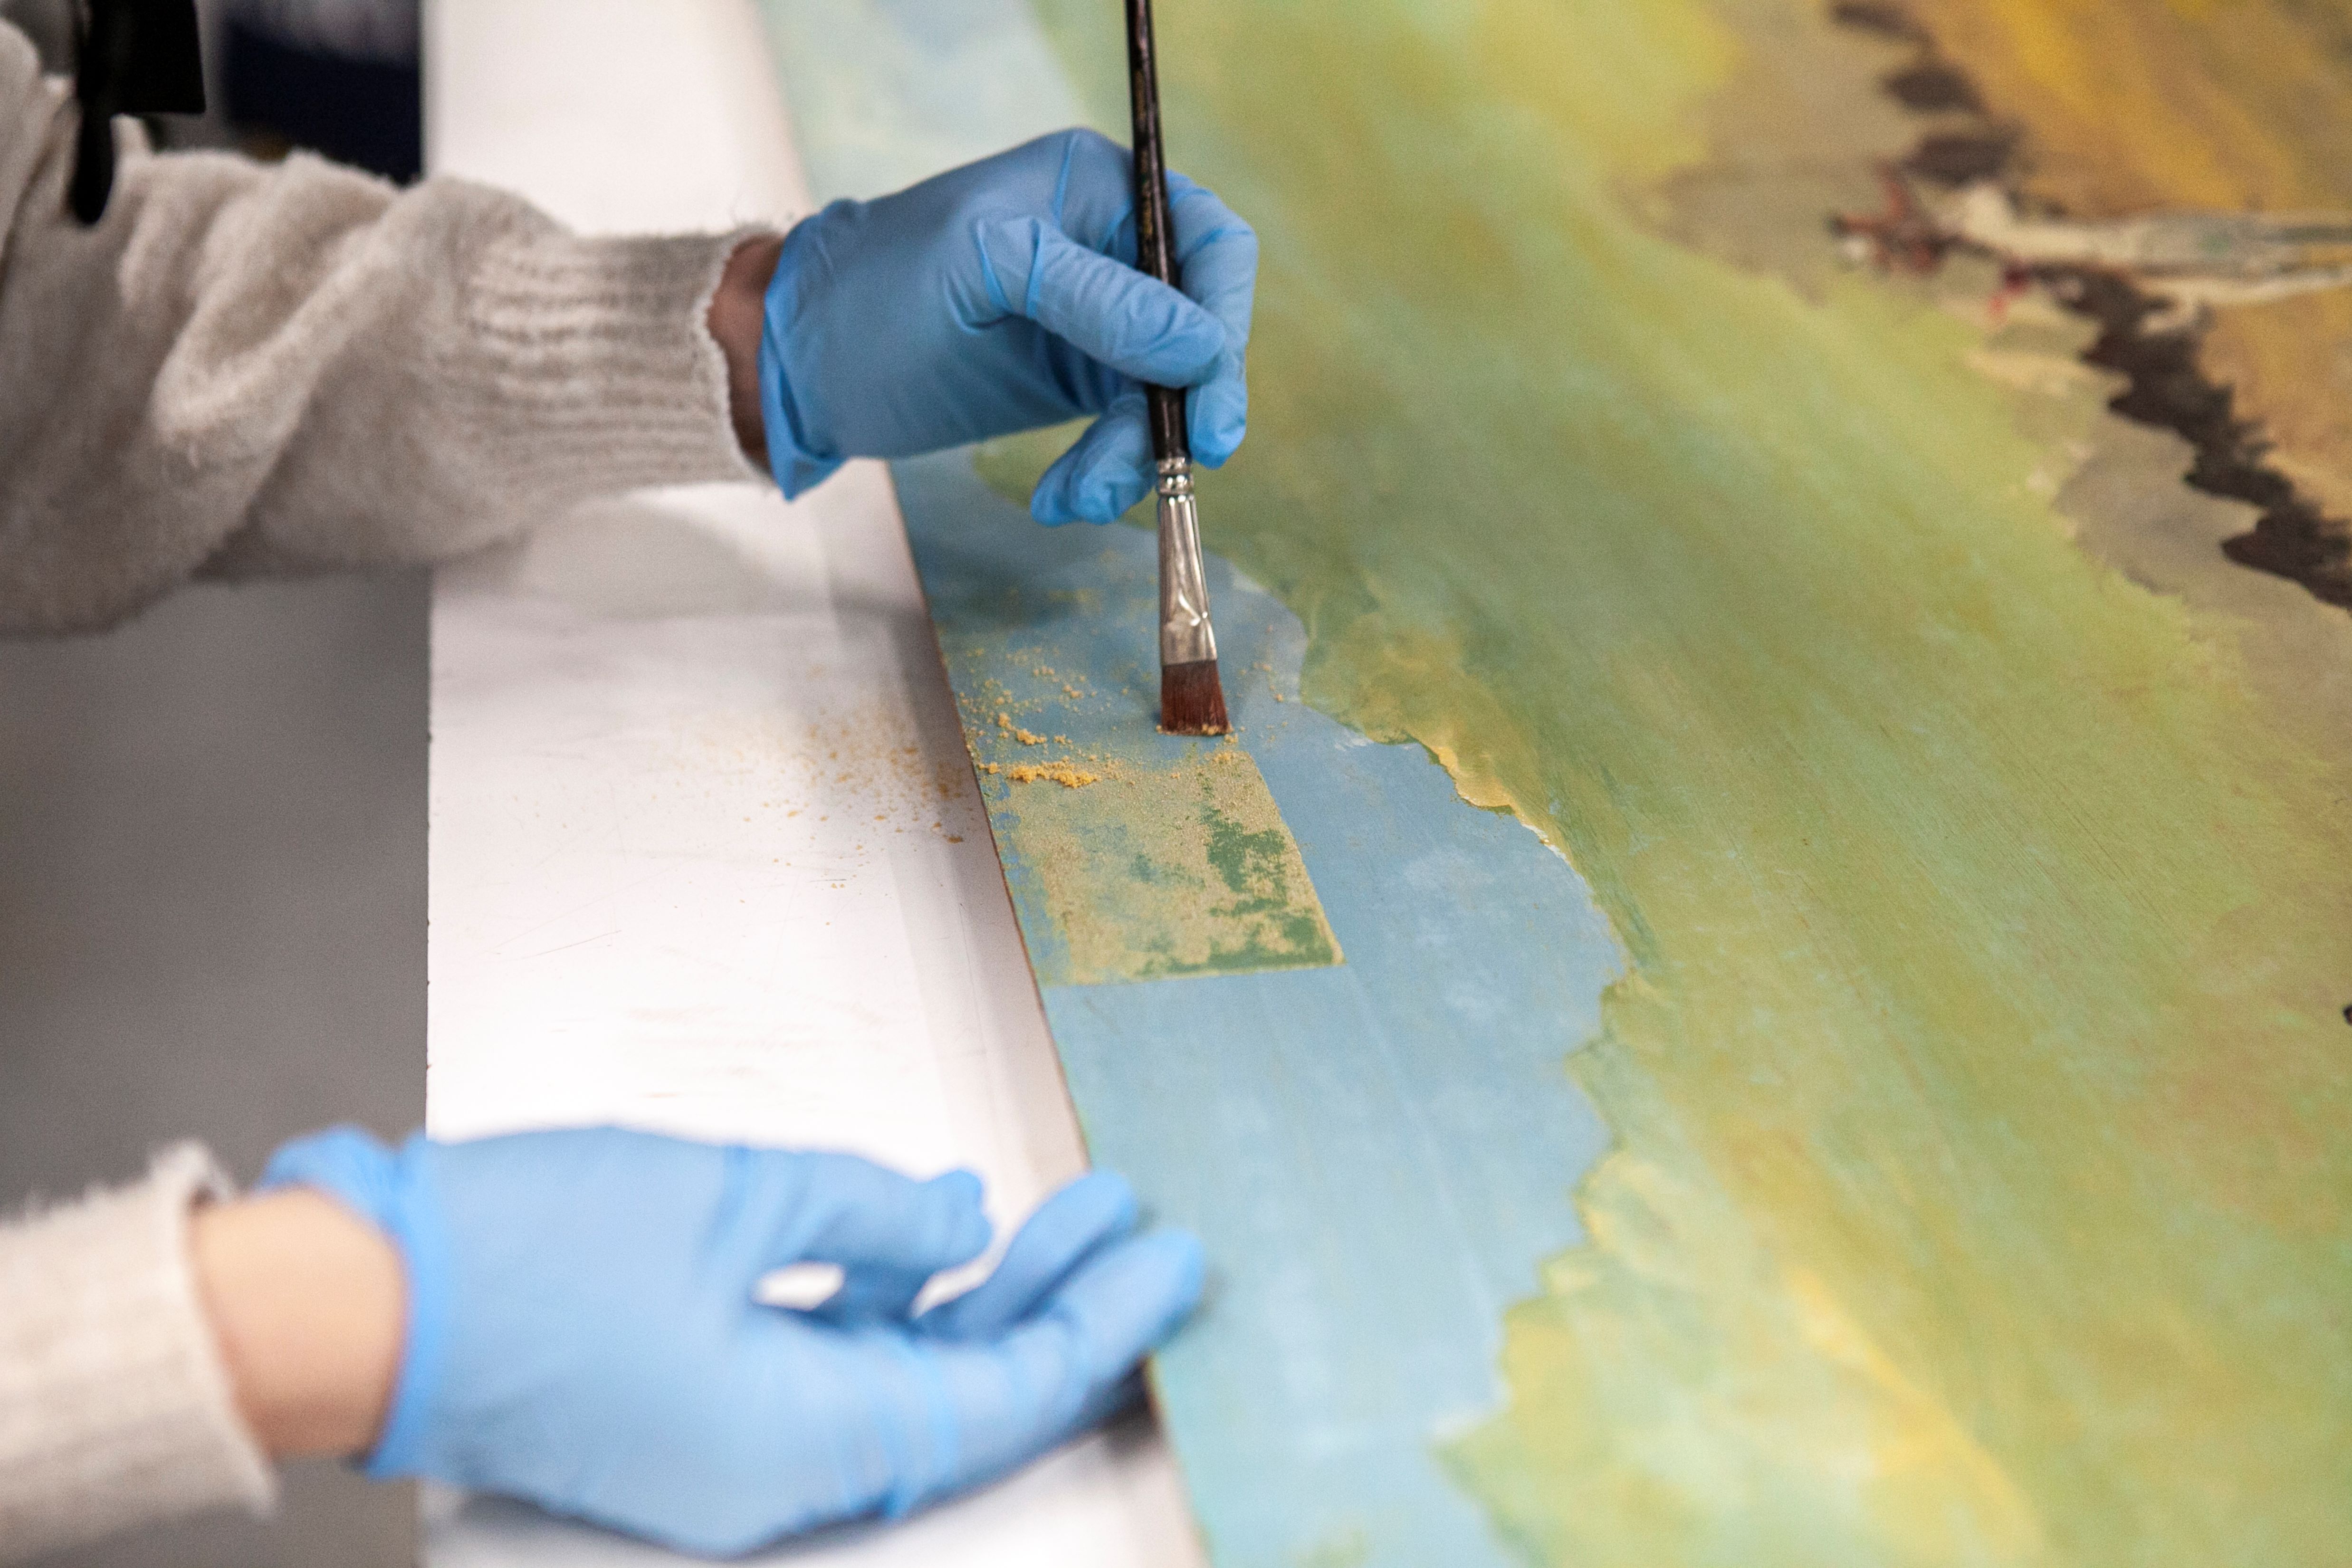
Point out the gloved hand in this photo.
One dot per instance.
(1000, 297)
(581, 1333)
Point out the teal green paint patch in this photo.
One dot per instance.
(1131, 855)
(1351, 1551)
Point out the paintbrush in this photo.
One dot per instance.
(1192, 700)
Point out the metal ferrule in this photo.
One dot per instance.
(1185, 636)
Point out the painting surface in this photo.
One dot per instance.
(1733, 439)
(1142, 855)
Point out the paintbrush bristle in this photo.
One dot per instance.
(1192, 699)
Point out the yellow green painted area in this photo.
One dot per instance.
(1982, 1082)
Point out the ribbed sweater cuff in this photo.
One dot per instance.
(114, 1406)
(600, 351)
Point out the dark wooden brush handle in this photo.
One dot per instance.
(1155, 234)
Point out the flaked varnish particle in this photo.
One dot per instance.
(1062, 773)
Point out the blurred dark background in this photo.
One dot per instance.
(339, 78)
(211, 823)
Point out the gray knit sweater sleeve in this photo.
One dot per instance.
(248, 368)
(114, 1405)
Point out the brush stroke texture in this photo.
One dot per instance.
(1980, 1081)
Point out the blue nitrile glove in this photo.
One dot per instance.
(581, 1332)
(1000, 297)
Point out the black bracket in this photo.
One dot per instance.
(137, 57)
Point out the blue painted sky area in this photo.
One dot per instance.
(1378, 1155)
(884, 93)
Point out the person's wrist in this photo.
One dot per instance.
(307, 1302)
(738, 311)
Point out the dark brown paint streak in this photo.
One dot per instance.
(2292, 538)
(2167, 387)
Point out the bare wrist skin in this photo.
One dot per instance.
(308, 1304)
(738, 311)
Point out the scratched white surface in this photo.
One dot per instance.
(706, 852)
